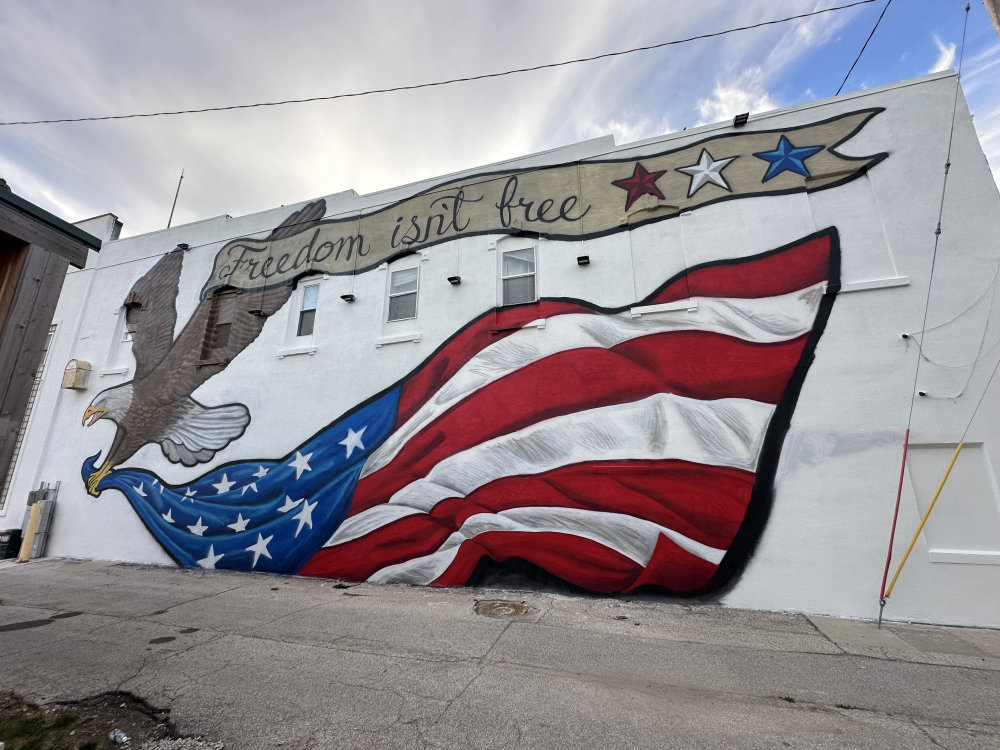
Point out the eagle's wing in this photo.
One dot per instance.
(151, 314)
(192, 360)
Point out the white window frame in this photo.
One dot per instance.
(302, 309)
(533, 274)
(390, 295)
(293, 343)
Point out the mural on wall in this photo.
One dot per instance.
(610, 448)
(611, 451)
(156, 406)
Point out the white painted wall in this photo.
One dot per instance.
(823, 550)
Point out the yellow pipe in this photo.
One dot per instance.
(923, 520)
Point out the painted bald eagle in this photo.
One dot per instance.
(156, 406)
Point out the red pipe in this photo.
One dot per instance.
(895, 517)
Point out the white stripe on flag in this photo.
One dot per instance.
(726, 432)
(758, 320)
(631, 537)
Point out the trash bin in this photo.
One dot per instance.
(10, 543)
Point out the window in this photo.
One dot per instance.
(307, 314)
(128, 326)
(518, 273)
(220, 324)
(403, 294)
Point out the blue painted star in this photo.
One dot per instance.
(787, 158)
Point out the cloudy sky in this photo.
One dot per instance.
(77, 58)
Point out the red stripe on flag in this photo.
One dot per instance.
(674, 569)
(579, 561)
(786, 271)
(778, 273)
(689, 363)
(704, 503)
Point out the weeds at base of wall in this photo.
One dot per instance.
(87, 724)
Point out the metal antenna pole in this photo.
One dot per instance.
(175, 199)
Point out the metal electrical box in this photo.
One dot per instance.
(76, 375)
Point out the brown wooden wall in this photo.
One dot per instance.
(32, 279)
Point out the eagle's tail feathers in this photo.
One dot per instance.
(201, 431)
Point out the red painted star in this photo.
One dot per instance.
(640, 183)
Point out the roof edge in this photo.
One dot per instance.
(50, 220)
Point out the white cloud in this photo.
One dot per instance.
(946, 56)
(111, 57)
(626, 131)
(744, 93)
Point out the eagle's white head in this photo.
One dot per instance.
(112, 403)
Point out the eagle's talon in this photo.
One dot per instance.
(96, 478)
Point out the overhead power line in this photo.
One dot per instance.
(864, 46)
(448, 82)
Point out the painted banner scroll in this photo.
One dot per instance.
(574, 201)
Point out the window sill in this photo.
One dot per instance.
(861, 286)
(688, 305)
(967, 556)
(539, 324)
(398, 339)
(293, 350)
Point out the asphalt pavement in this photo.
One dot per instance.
(261, 661)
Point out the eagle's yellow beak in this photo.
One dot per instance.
(93, 413)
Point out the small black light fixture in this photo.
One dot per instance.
(740, 120)
(583, 260)
(454, 280)
(347, 297)
(257, 313)
(184, 246)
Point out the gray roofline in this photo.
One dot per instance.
(52, 221)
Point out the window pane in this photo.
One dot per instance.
(307, 319)
(310, 295)
(132, 314)
(225, 308)
(402, 307)
(519, 261)
(220, 339)
(403, 281)
(518, 291)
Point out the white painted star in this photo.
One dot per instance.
(251, 486)
(290, 504)
(261, 472)
(260, 548)
(139, 489)
(240, 524)
(224, 484)
(301, 463)
(304, 516)
(209, 560)
(353, 440)
(168, 516)
(188, 494)
(198, 529)
(706, 170)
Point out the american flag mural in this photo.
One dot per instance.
(608, 449)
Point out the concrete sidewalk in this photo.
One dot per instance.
(261, 661)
